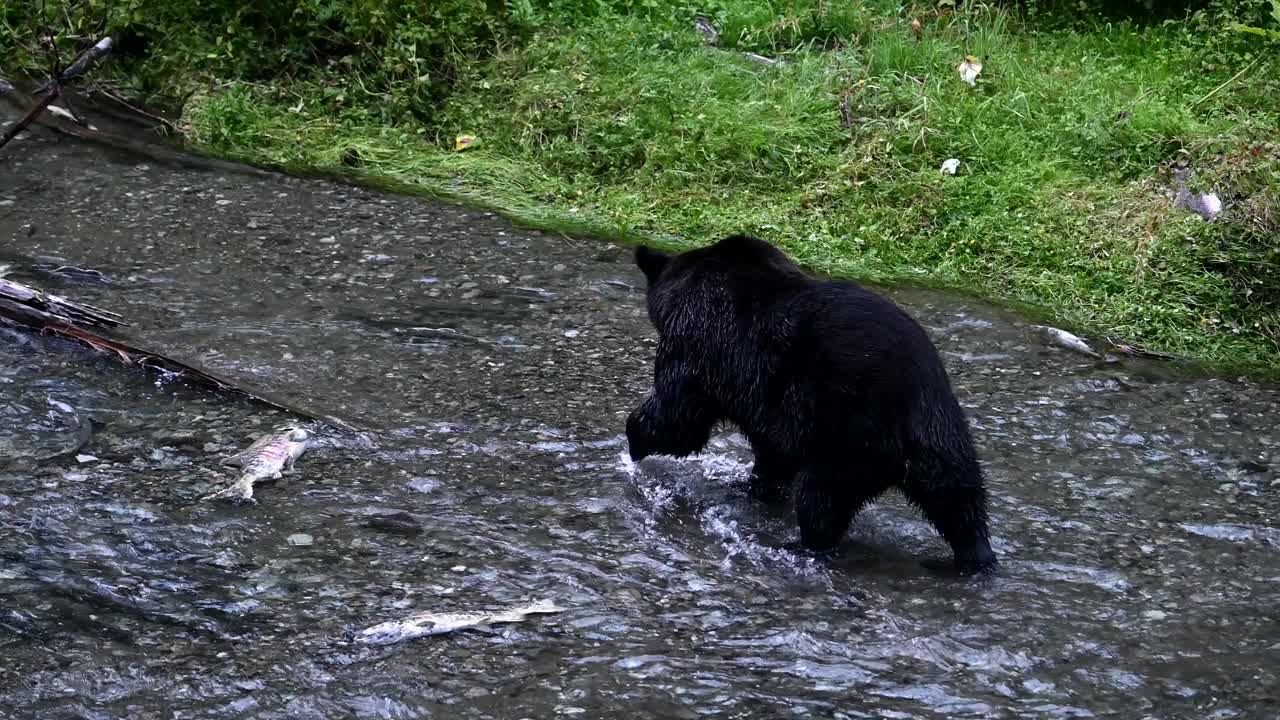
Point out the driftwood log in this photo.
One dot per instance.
(37, 306)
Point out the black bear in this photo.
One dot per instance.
(839, 391)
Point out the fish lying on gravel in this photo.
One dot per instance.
(265, 459)
(1064, 339)
(424, 624)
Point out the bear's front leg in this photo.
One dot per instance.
(770, 478)
(828, 499)
(640, 432)
(676, 426)
(677, 417)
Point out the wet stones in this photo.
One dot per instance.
(396, 522)
(176, 438)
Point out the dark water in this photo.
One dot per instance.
(1135, 514)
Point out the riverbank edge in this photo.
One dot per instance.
(597, 230)
(548, 217)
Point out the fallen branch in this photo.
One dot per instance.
(49, 314)
(25, 120)
(113, 95)
(130, 355)
(1139, 352)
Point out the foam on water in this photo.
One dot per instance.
(711, 485)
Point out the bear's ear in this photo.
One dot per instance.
(651, 262)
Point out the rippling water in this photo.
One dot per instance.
(1134, 512)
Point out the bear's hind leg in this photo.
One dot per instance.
(826, 504)
(953, 499)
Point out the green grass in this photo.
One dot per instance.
(630, 127)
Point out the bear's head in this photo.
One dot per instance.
(716, 283)
(652, 263)
(735, 255)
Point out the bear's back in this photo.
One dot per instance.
(846, 336)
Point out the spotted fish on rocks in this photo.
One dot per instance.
(416, 626)
(268, 457)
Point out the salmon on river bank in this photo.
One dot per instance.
(268, 457)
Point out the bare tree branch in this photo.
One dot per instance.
(76, 69)
(81, 65)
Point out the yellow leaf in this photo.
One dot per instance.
(462, 142)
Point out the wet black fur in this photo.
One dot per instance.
(840, 392)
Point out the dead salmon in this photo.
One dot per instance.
(438, 623)
(268, 457)
(1064, 339)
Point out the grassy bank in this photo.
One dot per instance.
(627, 124)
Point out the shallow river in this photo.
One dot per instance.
(1135, 514)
